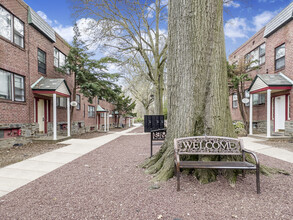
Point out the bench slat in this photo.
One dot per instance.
(217, 165)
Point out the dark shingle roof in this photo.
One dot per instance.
(48, 84)
(274, 80)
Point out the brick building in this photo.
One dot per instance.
(34, 97)
(270, 91)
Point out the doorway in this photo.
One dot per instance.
(280, 113)
(41, 115)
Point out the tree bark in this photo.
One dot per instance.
(197, 81)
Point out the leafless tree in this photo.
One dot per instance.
(131, 29)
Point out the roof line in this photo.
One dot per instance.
(33, 85)
(286, 77)
(250, 39)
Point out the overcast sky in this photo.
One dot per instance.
(243, 18)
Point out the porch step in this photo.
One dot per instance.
(272, 138)
(49, 139)
(278, 134)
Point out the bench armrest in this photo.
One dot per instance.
(253, 154)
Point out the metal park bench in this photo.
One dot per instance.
(157, 136)
(211, 145)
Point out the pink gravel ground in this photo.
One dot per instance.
(138, 130)
(108, 184)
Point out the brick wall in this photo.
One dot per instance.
(24, 62)
(81, 115)
(283, 35)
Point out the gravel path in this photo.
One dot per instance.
(138, 130)
(107, 184)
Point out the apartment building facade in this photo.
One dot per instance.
(34, 97)
(271, 49)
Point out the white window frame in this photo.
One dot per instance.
(234, 100)
(13, 31)
(78, 101)
(91, 111)
(61, 102)
(257, 57)
(279, 58)
(12, 88)
(59, 53)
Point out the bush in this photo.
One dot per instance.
(138, 120)
(239, 128)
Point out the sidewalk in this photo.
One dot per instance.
(19, 174)
(281, 154)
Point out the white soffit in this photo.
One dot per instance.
(63, 89)
(282, 18)
(258, 84)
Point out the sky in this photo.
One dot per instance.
(242, 18)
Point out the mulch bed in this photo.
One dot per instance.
(108, 184)
(15, 154)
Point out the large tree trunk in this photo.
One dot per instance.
(159, 98)
(197, 80)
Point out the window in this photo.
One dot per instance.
(234, 101)
(257, 56)
(262, 53)
(5, 85)
(18, 32)
(91, 111)
(78, 102)
(280, 57)
(258, 99)
(61, 102)
(56, 57)
(11, 28)
(246, 94)
(18, 88)
(41, 61)
(11, 86)
(59, 58)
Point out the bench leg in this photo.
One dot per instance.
(151, 148)
(257, 179)
(178, 177)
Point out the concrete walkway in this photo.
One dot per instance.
(255, 145)
(21, 173)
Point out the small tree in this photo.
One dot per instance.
(124, 104)
(238, 76)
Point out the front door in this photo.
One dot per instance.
(280, 112)
(41, 115)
